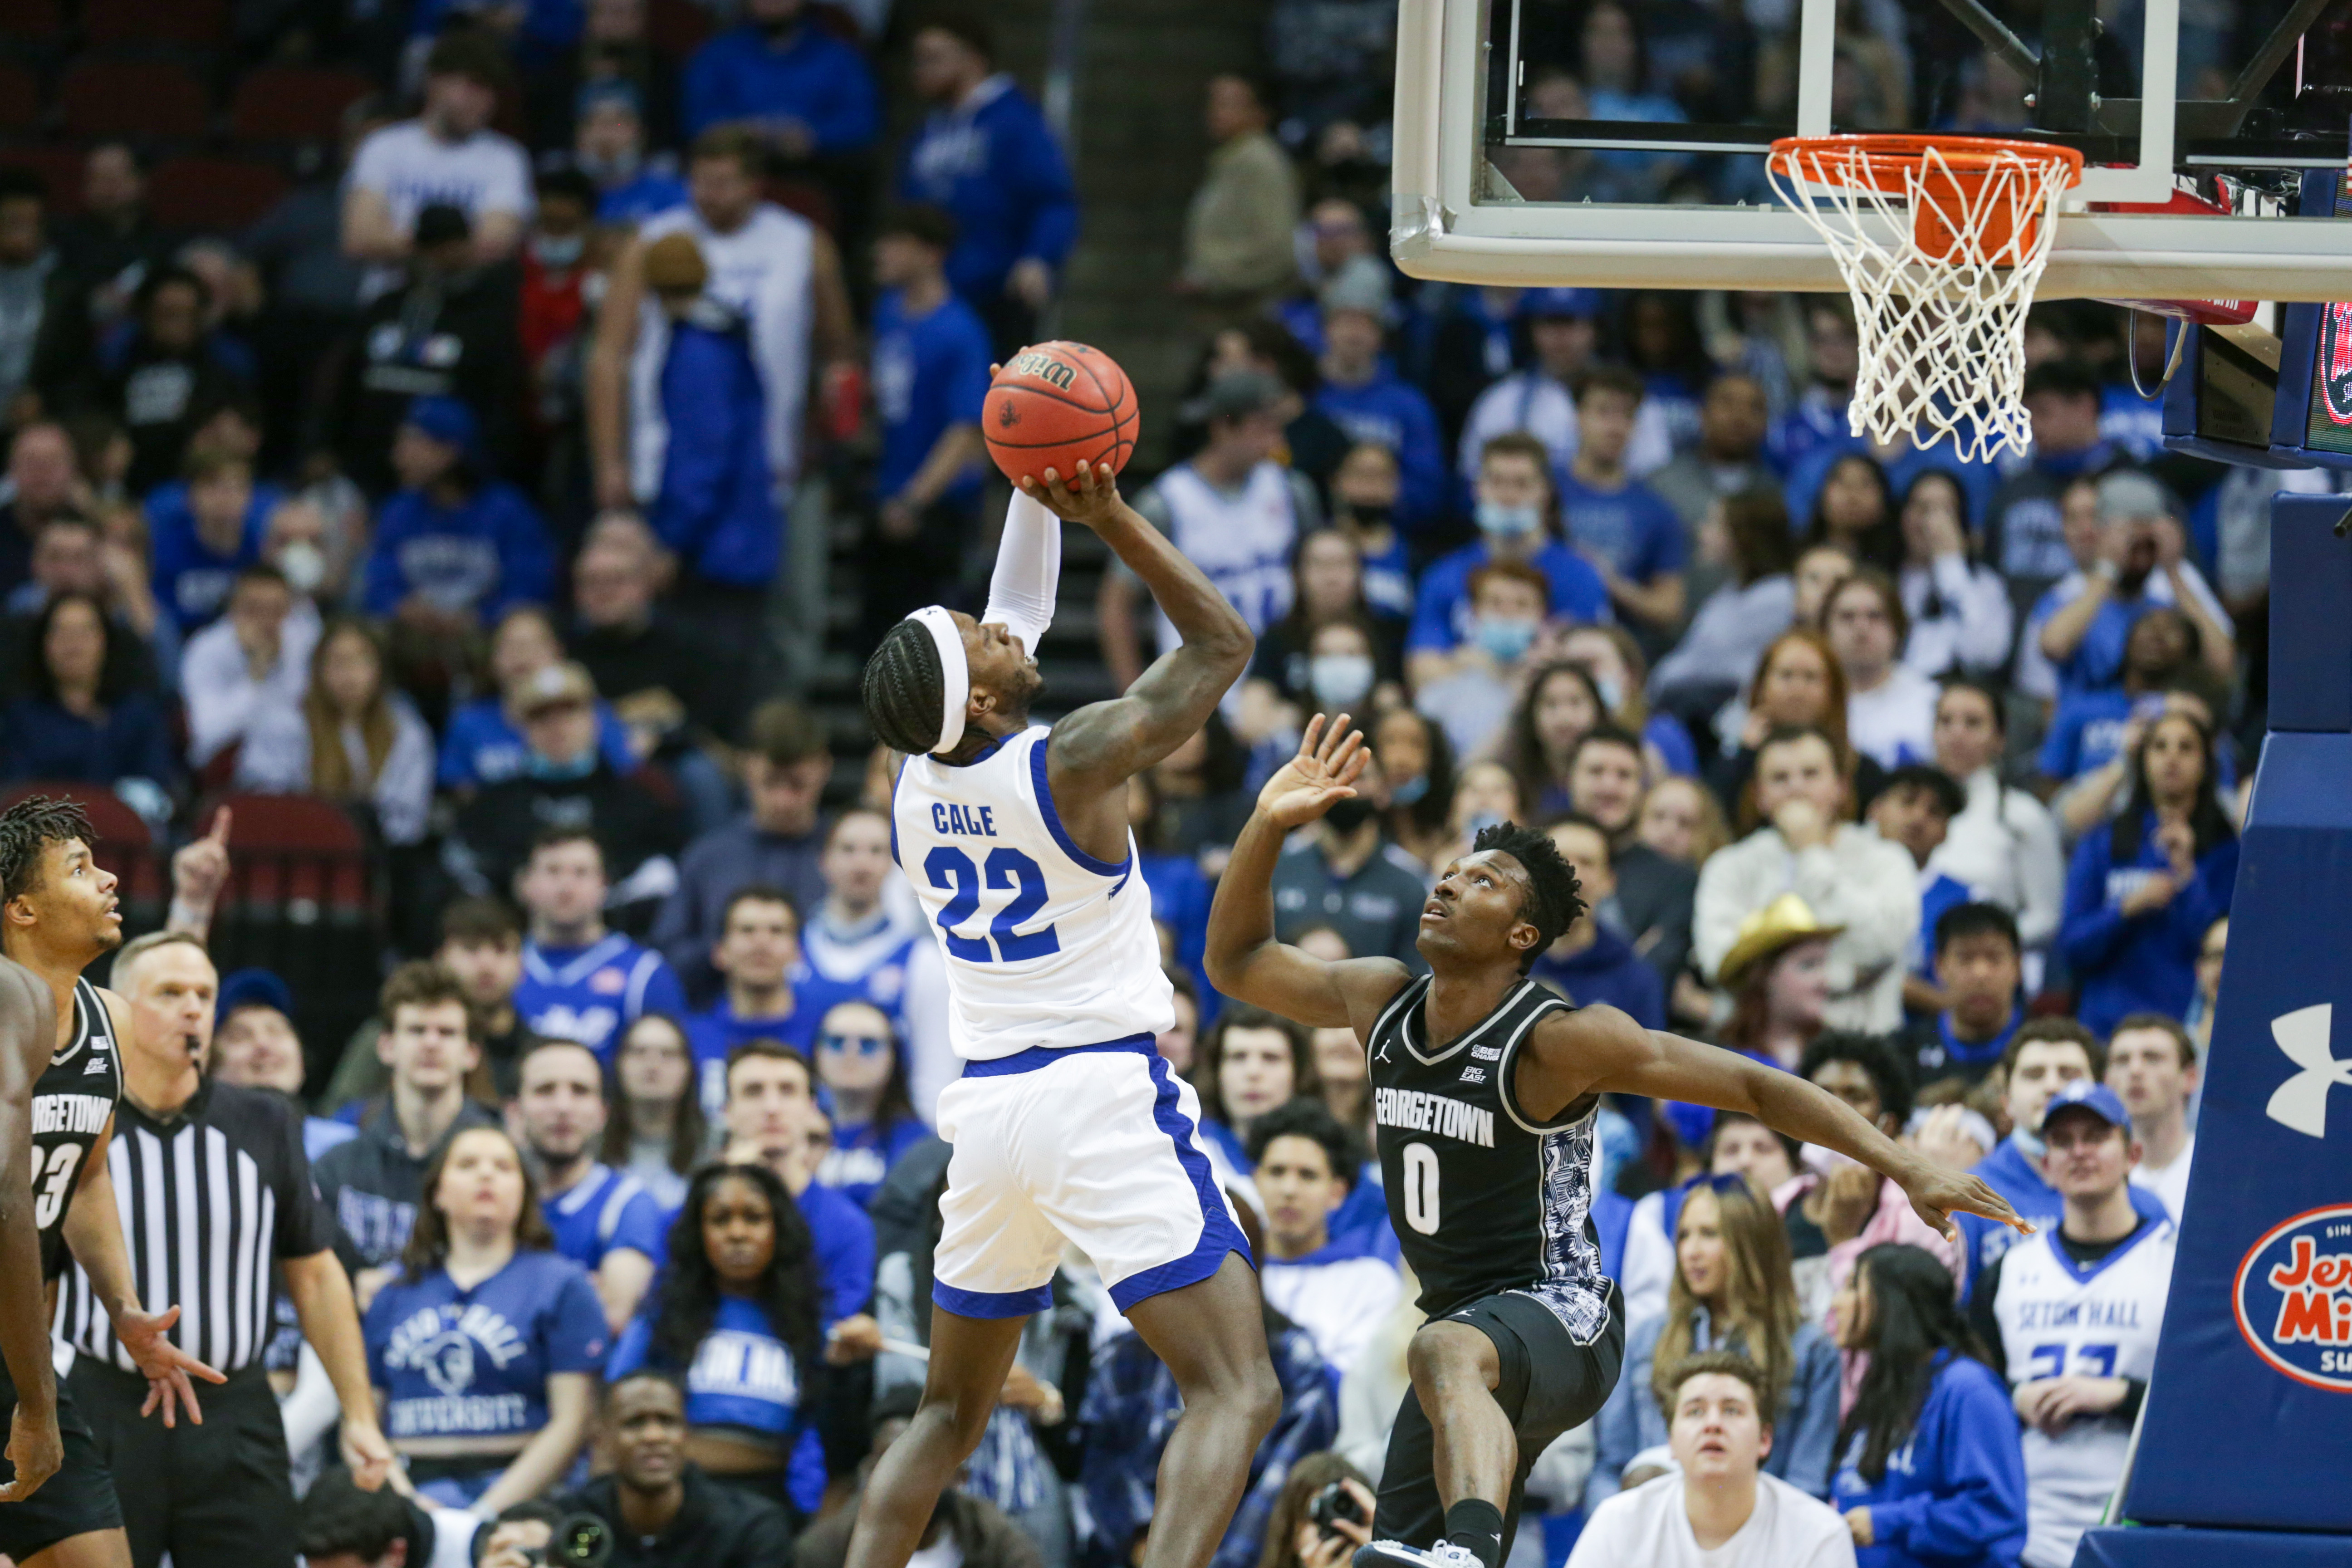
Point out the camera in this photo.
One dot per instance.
(579, 1541)
(1333, 1503)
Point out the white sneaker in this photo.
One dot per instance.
(1397, 1554)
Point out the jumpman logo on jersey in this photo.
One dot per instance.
(2301, 1102)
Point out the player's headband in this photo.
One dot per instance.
(955, 674)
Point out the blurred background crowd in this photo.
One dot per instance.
(459, 452)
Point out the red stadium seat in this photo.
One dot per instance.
(213, 193)
(142, 99)
(59, 169)
(189, 24)
(677, 27)
(293, 103)
(31, 21)
(20, 97)
(125, 846)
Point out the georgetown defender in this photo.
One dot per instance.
(56, 915)
(1485, 1087)
(1068, 1127)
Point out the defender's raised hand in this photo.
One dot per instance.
(1323, 774)
(1090, 496)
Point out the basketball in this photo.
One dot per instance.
(1056, 404)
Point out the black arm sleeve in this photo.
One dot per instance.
(1982, 1317)
(2135, 1394)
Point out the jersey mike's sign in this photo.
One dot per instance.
(2293, 1295)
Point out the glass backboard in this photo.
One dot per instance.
(1621, 142)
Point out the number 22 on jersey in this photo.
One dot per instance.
(1006, 869)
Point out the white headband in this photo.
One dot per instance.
(955, 674)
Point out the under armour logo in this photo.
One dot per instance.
(2301, 1102)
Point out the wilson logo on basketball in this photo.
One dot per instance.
(1046, 367)
(2335, 360)
(2293, 1298)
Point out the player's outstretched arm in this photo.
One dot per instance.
(27, 1035)
(1106, 744)
(1599, 1050)
(1243, 959)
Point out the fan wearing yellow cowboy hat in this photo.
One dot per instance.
(1844, 876)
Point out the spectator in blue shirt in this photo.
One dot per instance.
(985, 155)
(608, 145)
(931, 372)
(863, 1072)
(1619, 523)
(2084, 624)
(1519, 520)
(773, 1122)
(1591, 964)
(714, 508)
(1368, 401)
(1930, 1471)
(605, 1220)
(453, 548)
(1819, 416)
(486, 1335)
(2094, 725)
(581, 982)
(739, 1318)
(758, 950)
(81, 720)
(484, 744)
(202, 532)
(786, 79)
(2139, 895)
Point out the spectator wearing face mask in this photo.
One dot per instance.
(1364, 395)
(1473, 698)
(1519, 520)
(1351, 875)
(1298, 670)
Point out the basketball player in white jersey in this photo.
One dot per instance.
(2074, 1312)
(1068, 1128)
(56, 916)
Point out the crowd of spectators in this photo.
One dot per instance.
(461, 492)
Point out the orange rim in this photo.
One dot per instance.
(1888, 160)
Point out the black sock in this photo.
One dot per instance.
(1476, 1526)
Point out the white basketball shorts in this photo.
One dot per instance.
(1094, 1145)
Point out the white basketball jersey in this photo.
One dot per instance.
(2061, 1321)
(762, 270)
(1045, 945)
(1240, 540)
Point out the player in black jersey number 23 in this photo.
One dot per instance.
(1483, 1090)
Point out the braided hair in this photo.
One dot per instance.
(1553, 902)
(904, 688)
(29, 827)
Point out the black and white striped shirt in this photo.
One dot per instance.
(210, 1198)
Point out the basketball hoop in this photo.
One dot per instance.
(1941, 240)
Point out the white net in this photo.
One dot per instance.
(1941, 257)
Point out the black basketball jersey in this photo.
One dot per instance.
(73, 1100)
(1483, 1197)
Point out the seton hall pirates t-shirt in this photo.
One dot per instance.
(475, 1362)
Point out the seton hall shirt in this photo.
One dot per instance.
(590, 994)
(743, 1378)
(475, 1362)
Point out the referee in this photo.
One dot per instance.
(216, 1199)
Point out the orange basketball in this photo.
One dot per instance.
(1055, 404)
